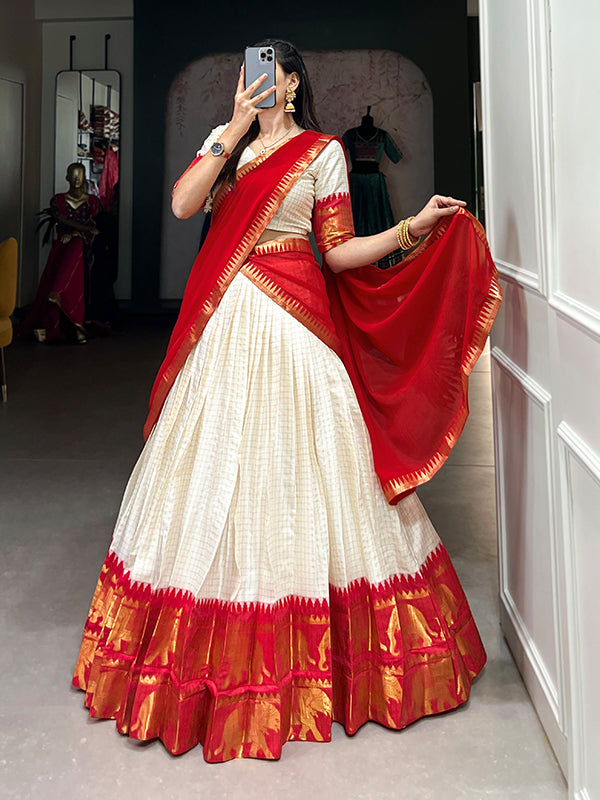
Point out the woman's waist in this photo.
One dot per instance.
(287, 271)
(289, 266)
(283, 243)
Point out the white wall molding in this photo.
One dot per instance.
(549, 698)
(532, 654)
(524, 277)
(484, 41)
(584, 317)
(542, 137)
(539, 691)
(580, 450)
(572, 447)
(533, 389)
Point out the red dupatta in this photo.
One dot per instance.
(410, 336)
(240, 218)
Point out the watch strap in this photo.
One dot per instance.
(218, 150)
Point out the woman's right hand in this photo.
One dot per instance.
(192, 188)
(245, 106)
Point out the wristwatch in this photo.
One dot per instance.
(217, 149)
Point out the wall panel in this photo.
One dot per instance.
(522, 411)
(576, 82)
(580, 490)
(521, 330)
(509, 157)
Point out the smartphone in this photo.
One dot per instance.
(257, 61)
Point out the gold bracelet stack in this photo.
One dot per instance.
(405, 240)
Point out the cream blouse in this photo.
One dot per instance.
(326, 177)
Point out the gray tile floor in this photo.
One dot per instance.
(69, 436)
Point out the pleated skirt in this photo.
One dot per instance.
(258, 585)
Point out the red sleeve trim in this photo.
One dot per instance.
(332, 221)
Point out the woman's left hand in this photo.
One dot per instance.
(429, 216)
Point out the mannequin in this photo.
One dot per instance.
(58, 310)
(371, 207)
(367, 127)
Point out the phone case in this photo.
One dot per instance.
(257, 61)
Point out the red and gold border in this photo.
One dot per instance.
(321, 326)
(332, 221)
(395, 488)
(245, 678)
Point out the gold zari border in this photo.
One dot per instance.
(396, 486)
(279, 296)
(242, 679)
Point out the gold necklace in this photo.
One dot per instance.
(268, 147)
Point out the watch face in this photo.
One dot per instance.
(217, 149)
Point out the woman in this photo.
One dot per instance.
(58, 310)
(271, 569)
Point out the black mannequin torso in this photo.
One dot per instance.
(367, 129)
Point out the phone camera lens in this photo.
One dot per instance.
(269, 58)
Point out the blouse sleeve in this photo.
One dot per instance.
(391, 150)
(211, 139)
(332, 215)
(208, 142)
(54, 207)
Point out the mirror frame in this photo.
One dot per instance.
(88, 160)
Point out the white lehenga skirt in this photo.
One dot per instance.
(258, 584)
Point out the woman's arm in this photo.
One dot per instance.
(362, 250)
(191, 190)
(84, 227)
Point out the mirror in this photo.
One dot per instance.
(88, 132)
(87, 122)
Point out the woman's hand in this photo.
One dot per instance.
(363, 250)
(245, 106)
(192, 188)
(429, 216)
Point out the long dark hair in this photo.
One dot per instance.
(290, 60)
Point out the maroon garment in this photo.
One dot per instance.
(62, 285)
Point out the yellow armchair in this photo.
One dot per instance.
(8, 299)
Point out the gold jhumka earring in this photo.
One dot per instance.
(290, 95)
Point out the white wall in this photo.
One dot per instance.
(540, 83)
(20, 63)
(88, 53)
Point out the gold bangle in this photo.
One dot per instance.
(398, 227)
(405, 240)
